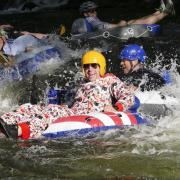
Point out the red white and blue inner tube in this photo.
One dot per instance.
(80, 125)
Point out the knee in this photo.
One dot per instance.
(123, 23)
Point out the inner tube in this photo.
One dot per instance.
(122, 33)
(27, 63)
(156, 104)
(156, 97)
(83, 125)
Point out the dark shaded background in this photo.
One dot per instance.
(48, 20)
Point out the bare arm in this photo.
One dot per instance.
(4, 26)
(37, 35)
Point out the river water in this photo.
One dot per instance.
(142, 152)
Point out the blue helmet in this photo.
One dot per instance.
(133, 52)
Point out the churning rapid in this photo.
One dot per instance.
(140, 152)
(156, 145)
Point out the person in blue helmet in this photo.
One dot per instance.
(132, 59)
(90, 21)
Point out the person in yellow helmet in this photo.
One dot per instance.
(95, 95)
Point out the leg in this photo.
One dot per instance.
(29, 121)
(151, 19)
(20, 44)
(163, 11)
(37, 35)
(24, 122)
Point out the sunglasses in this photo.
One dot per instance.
(93, 65)
(91, 11)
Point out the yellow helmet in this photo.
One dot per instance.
(95, 57)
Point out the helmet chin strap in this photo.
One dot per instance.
(133, 67)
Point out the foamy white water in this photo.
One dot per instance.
(160, 139)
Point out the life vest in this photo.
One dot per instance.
(81, 26)
(88, 25)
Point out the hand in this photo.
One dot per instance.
(133, 88)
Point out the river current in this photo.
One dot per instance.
(142, 152)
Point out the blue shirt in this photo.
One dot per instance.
(88, 24)
(97, 24)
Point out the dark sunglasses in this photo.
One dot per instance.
(91, 11)
(93, 65)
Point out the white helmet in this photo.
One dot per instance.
(86, 6)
